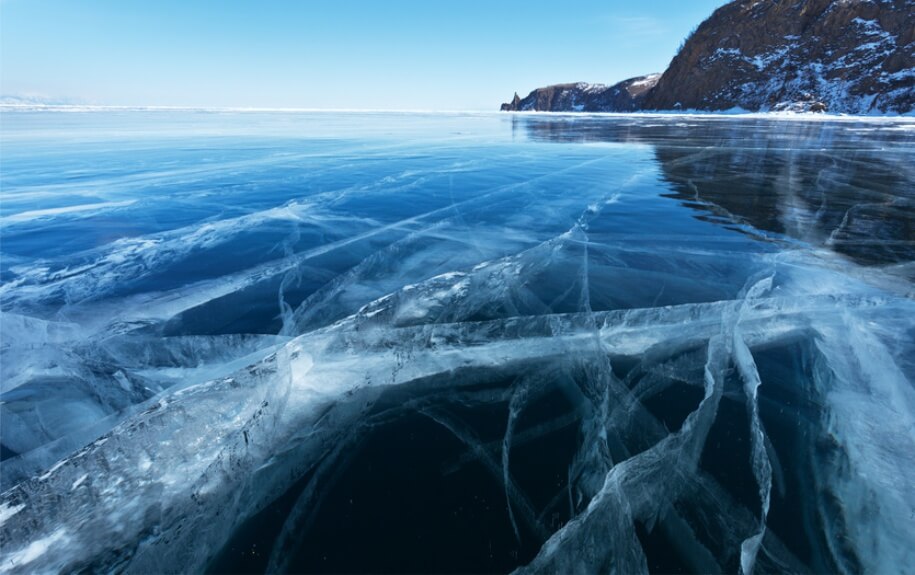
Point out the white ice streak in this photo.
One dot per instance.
(762, 468)
(129, 259)
(33, 551)
(871, 411)
(30, 215)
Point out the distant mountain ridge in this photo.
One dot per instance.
(841, 56)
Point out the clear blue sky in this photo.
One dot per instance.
(385, 54)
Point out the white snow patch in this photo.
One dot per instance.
(648, 80)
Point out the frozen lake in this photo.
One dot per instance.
(379, 342)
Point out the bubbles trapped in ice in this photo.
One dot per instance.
(688, 349)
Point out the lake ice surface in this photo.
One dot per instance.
(350, 342)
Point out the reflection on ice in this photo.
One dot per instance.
(676, 347)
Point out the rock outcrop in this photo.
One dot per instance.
(624, 96)
(853, 56)
(844, 56)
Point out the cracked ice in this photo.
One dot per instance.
(703, 328)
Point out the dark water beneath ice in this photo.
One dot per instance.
(314, 342)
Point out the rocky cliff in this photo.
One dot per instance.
(845, 56)
(854, 56)
(624, 96)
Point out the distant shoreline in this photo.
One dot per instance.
(736, 114)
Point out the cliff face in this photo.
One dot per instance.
(624, 96)
(853, 56)
(846, 56)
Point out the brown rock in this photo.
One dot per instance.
(583, 97)
(853, 56)
(513, 105)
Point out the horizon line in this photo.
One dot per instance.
(731, 113)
